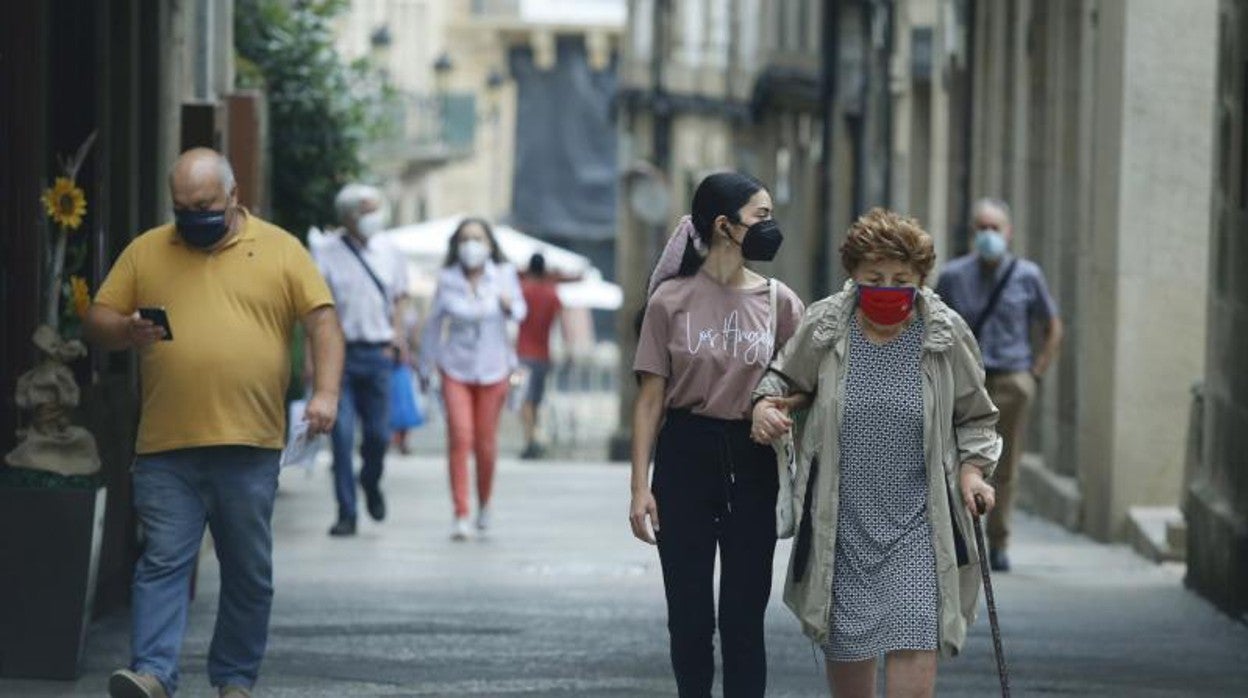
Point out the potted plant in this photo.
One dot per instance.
(51, 495)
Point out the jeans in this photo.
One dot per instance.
(231, 489)
(365, 396)
(715, 489)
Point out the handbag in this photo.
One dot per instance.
(786, 452)
(405, 408)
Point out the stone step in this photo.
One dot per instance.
(1151, 530)
(1176, 535)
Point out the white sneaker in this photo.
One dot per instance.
(460, 530)
(483, 519)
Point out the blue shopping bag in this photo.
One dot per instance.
(405, 408)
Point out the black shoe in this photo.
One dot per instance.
(529, 453)
(998, 561)
(130, 684)
(344, 527)
(376, 502)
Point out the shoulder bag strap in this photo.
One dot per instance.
(992, 300)
(381, 288)
(772, 320)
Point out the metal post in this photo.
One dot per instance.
(660, 108)
(643, 236)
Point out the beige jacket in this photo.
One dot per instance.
(959, 428)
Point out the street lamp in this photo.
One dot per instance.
(442, 68)
(380, 41)
(381, 37)
(494, 80)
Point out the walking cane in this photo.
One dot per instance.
(992, 602)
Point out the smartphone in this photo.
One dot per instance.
(159, 317)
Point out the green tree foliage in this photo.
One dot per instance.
(322, 110)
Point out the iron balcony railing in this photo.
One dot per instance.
(496, 8)
(428, 128)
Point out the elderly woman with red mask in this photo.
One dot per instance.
(897, 445)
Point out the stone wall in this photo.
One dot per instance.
(1216, 505)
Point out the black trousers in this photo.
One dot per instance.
(715, 489)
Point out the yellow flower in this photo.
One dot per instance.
(66, 203)
(81, 295)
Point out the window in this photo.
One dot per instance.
(692, 24)
(807, 25)
(748, 22)
(642, 20)
(717, 45)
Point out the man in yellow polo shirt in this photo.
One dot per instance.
(212, 426)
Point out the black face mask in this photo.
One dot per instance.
(202, 229)
(762, 240)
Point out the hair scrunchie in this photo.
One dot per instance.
(668, 265)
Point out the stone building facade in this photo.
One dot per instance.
(454, 152)
(1089, 116)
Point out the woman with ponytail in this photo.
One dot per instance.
(711, 327)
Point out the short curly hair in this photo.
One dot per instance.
(883, 234)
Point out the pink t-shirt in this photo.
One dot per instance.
(712, 343)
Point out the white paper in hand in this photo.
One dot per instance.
(302, 445)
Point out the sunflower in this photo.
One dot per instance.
(81, 295)
(66, 203)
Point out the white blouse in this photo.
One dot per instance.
(466, 333)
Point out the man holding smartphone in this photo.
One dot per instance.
(213, 417)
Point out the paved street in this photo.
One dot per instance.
(560, 601)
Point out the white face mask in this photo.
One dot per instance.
(370, 224)
(473, 253)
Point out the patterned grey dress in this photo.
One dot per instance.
(884, 593)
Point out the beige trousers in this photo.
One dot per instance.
(1013, 394)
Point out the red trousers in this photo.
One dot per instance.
(472, 413)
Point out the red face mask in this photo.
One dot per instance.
(886, 306)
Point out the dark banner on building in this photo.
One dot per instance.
(565, 177)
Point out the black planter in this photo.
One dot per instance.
(49, 554)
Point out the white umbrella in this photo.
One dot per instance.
(425, 244)
(591, 292)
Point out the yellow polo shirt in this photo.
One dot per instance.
(223, 378)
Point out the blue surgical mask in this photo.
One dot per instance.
(202, 229)
(990, 244)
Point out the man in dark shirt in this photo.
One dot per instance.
(1003, 326)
